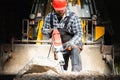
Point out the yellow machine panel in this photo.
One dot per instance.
(39, 36)
(99, 32)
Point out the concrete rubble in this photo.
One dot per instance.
(31, 62)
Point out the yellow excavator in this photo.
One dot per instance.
(96, 56)
(93, 33)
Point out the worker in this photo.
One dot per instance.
(71, 34)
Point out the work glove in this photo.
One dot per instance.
(67, 46)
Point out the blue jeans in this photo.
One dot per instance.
(75, 57)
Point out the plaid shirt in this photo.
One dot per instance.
(74, 26)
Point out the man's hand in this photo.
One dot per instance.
(51, 30)
(67, 46)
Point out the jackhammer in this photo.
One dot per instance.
(58, 47)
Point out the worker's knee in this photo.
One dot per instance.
(76, 48)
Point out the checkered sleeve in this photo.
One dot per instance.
(46, 25)
(77, 30)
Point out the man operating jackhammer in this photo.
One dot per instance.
(70, 28)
